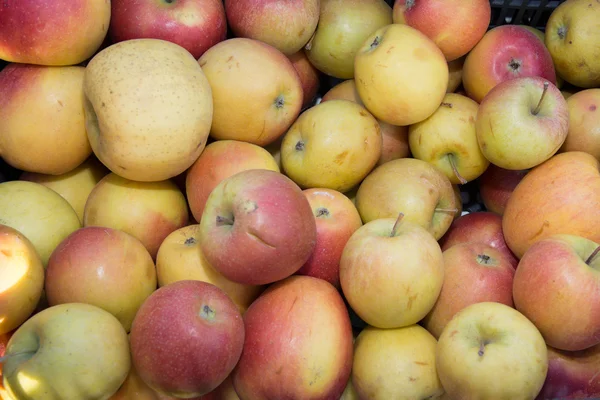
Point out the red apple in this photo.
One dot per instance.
(557, 287)
(505, 52)
(298, 345)
(257, 227)
(186, 338)
(310, 77)
(496, 185)
(195, 25)
(337, 218)
(482, 227)
(474, 272)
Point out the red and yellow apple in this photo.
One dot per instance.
(496, 185)
(584, 122)
(310, 77)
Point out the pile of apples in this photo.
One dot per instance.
(198, 212)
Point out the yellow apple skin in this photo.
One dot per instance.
(332, 145)
(180, 258)
(149, 211)
(449, 137)
(502, 354)
(148, 108)
(21, 279)
(70, 351)
(41, 108)
(343, 27)
(74, 186)
(395, 364)
(401, 75)
(455, 69)
(584, 123)
(39, 213)
(572, 39)
(257, 93)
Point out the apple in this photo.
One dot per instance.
(180, 258)
(454, 26)
(105, 267)
(186, 338)
(36, 96)
(274, 148)
(474, 272)
(448, 140)
(310, 77)
(496, 185)
(584, 122)
(413, 187)
(479, 226)
(57, 33)
(257, 227)
(219, 160)
(455, 73)
(4, 338)
(149, 211)
(286, 26)
(333, 145)
(395, 364)
(298, 343)
(502, 354)
(572, 374)
(38, 213)
(522, 122)
(21, 279)
(394, 139)
(74, 186)
(134, 388)
(336, 219)
(195, 25)
(571, 37)
(391, 261)
(141, 94)
(558, 196)
(504, 53)
(400, 74)
(349, 392)
(554, 287)
(225, 391)
(240, 69)
(343, 27)
(69, 351)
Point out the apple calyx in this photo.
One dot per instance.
(208, 313)
(483, 259)
(375, 43)
(452, 160)
(539, 105)
(410, 4)
(299, 146)
(396, 225)
(322, 212)
(592, 256)
(514, 65)
(444, 104)
(562, 32)
(224, 220)
(279, 101)
(190, 241)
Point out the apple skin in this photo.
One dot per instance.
(553, 286)
(299, 343)
(310, 77)
(455, 73)
(186, 338)
(540, 196)
(286, 26)
(572, 374)
(512, 348)
(219, 160)
(21, 279)
(104, 267)
(73, 351)
(479, 226)
(584, 122)
(474, 272)
(496, 185)
(505, 52)
(454, 26)
(337, 219)
(52, 32)
(195, 25)
(4, 338)
(510, 135)
(257, 227)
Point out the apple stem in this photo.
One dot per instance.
(539, 105)
(396, 225)
(481, 351)
(449, 105)
(224, 220)
(455, 169)
(591, 257)
(450, 210)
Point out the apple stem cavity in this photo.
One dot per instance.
(452, 160)
(224, 220)
(208, 313)
(322, 212)
(396, 225)
(592, 256)
(539, 105)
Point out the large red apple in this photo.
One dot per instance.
(496, 185)
(186, 338)
(195, 25)
(257, 227)
(298, 344)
